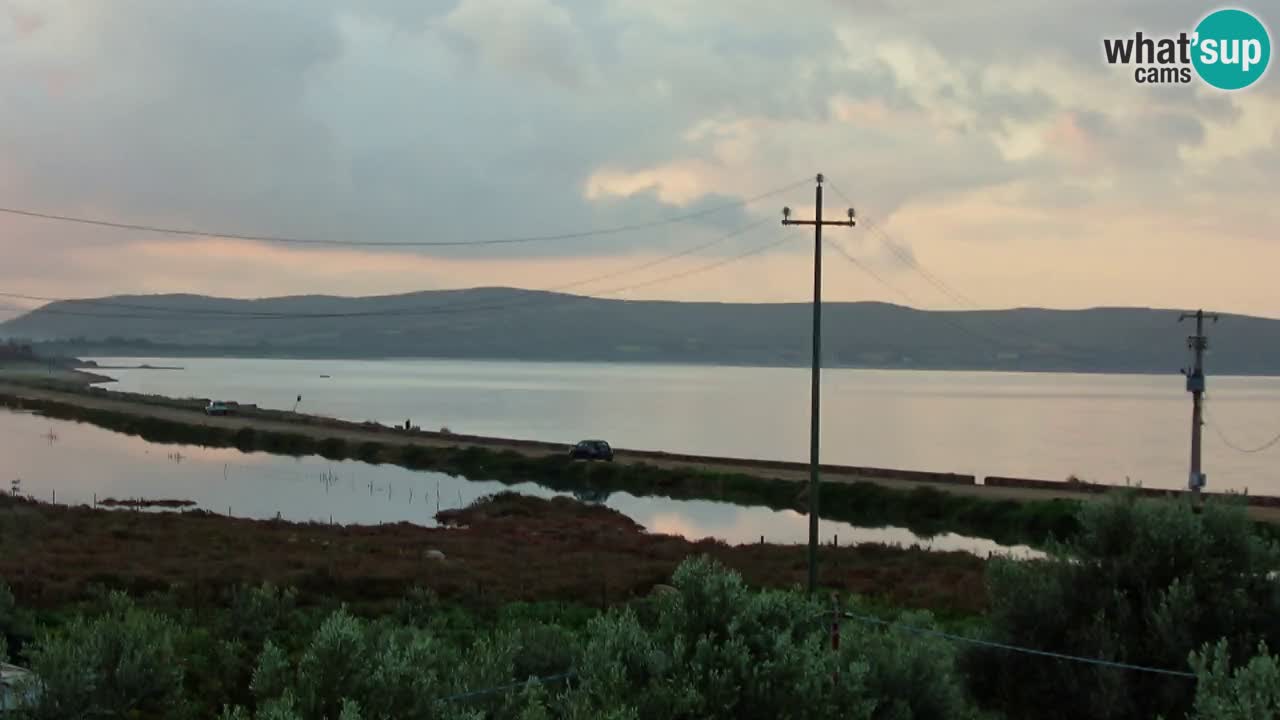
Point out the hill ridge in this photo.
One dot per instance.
(516, 324)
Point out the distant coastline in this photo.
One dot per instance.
(505, 324)
(222, 353)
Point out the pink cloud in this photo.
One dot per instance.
(860, 112)
(1067, 138)
(25, 24)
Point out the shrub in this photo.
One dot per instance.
(370, 451)
(121, 662)
(257, 612)
(416, 456)
(1144, 582)
(908, 675)
(246, 439)
(543, 650)
(1249, 692)
(377, 670)
(333, 448)
(718, 650)
(9, 616)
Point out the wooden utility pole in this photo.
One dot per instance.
(1198, 343)
(817, 222)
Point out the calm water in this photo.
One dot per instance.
(1102, 428)
(71, 463)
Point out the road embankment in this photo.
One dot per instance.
(1009, 510)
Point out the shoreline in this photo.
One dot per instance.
(1008, 510)
(787, 468)
(323, 357)
(77, 375)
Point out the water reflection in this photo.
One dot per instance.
(698, 519)
(85, 463)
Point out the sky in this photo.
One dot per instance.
(987, 140)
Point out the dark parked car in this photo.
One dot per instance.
(592, 450)
(217, 407)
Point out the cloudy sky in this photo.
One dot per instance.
(988, 138)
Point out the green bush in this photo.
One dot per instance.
(8, 611)
(713, 649)
(370, 451)
(122, 662)
(718, 650)
(378, 670)
(246, 439)
(417, 457)
(1144, 582)
(255, 613)
(1247, 693)
(542, 649)
(909, 675)
(333, 448)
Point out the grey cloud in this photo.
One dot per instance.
(399, 120)
(302, 120)
(523, 36)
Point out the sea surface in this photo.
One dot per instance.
(1114, 429)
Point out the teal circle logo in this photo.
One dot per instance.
(1231, 49)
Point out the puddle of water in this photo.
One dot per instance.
(76, 463)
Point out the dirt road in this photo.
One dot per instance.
(190, 412)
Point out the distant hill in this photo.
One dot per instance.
(502, 323)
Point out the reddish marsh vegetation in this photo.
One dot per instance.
(503, 549)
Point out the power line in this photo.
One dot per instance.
(1015, 648)
(704, 268)
(407, 310)
(1217, 430)
(188, 232)
(839, 248)
(953, 294)
(892, 625)
(910, 261)
(505, 688)
(946, 317)
(889, 624)
(439, 309)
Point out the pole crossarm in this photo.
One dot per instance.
(844, 223)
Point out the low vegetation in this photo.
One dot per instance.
(507, 548)
(1156, 611)
(145, 503)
